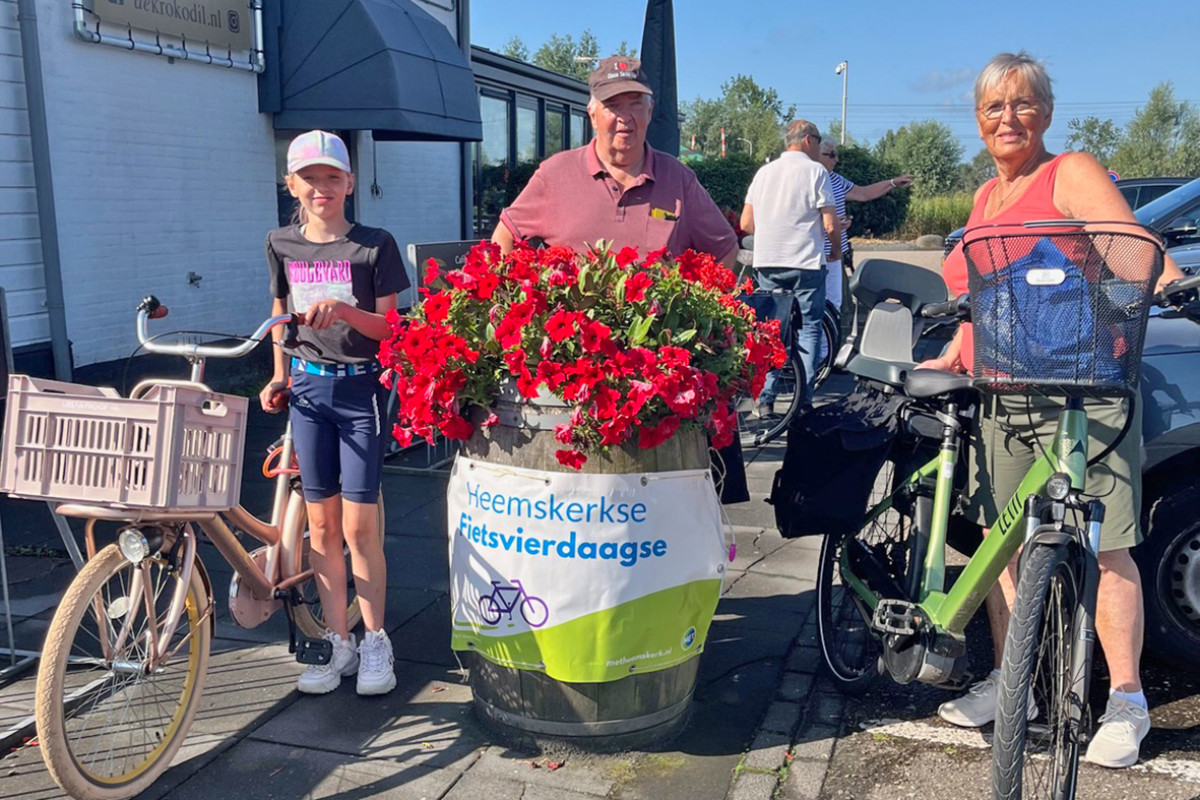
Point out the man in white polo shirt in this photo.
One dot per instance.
(790, 209)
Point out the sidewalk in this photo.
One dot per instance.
(761, 722)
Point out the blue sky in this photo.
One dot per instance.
(908, 60)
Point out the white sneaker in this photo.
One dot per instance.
(324, 678)
(977, 707)
(1123, 725)
(376, 670)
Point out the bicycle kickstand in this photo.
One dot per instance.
(307, 651)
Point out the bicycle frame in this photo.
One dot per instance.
(951, 610)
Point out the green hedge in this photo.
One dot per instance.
(726, 179)
(937, 215)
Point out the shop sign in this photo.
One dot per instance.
(588, 578)
(223, 24)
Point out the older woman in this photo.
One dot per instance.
(1014, 107)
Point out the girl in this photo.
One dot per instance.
(342, 278)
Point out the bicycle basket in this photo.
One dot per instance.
(175, 448)
(1060, 310)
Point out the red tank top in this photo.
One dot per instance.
(1036, 202)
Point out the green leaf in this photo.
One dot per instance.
(685, 336)
(639, 330)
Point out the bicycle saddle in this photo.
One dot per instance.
(922, 383)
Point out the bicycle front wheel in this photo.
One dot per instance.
(107, 723)
(831, 340)
(1040, 758)
(848, 645)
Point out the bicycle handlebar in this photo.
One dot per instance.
(150, 308)
(1179, 292)
(958, 307)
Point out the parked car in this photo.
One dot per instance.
(1138, 192)
(1169, 557)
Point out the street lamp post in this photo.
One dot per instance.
(843, 69)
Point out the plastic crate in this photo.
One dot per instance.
(175, 448)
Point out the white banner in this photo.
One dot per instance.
(587, 577)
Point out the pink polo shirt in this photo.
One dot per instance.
(572, 201)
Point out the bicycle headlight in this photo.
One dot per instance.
(1058, 486)
(133, 545)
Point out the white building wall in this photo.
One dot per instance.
(160, 169)
(163, 169)
(21, 272)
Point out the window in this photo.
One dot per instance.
(494, 113)
(556, 133)
(578, 129)
(527, 129)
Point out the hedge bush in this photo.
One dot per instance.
(937, 215)
(726, 179)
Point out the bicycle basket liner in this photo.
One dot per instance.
(176, 447)
(833, 456)
(1060, 312)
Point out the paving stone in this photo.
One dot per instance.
(255, 770)
(782, 717)
(795, 687)
(803, 781)
(815, 743)
(804, 658)
(584, 774)
(754, 786)
(475, 786)
(828, 708)
(769, 751)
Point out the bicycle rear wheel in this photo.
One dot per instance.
(757, 429)
(108, 727)
(831, 340)
(310, 615)
(849, 647)
(1040, 758)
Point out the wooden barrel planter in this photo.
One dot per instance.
(525, 704)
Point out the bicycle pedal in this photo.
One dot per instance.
(314, 651)
(896, 616)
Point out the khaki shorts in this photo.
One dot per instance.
(1004, 449)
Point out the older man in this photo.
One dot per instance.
(791, 210)
(617, 187)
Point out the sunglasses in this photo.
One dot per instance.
(816, 136)
(832, 154)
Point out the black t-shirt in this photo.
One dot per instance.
(356, 268)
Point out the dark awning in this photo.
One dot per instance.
(385, 66)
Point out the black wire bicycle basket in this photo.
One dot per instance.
(1059, 308)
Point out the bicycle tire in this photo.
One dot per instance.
(1038, 661)
(89, 760)
(755, 430)
(534, 608)
(831, 340)
(310, 618)
(849, 648)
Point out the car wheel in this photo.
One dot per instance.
(1169, 560)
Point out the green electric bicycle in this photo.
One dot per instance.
(1059, 309)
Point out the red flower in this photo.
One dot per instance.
(571, 458)
(636, 286)
(653, 437)
(432, 271)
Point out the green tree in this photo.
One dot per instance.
(880, 216)
(928, 151)
(752, 116)
(515, 48)
(976, 172)
(1095, 136)
(1163, 138)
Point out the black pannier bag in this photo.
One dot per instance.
(834, 453)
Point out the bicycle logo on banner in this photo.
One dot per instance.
(513, 597)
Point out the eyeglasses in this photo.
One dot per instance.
(816, 136)
(1022, 107)
(832, 154)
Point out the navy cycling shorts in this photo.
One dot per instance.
(337, 425)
